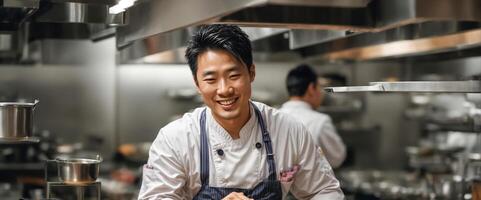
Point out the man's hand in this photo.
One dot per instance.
(236, 196)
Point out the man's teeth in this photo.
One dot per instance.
(227, 102)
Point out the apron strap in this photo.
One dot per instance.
(268, 144)
(204, 151)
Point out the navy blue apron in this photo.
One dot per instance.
(270, 188)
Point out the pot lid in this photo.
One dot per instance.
(19, 140)
(19, 104)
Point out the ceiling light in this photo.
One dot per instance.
(121, 6)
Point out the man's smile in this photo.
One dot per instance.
(227, 104)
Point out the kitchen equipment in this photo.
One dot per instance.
(474, 162)
(471, 86)
(135, 152)
(384, 184)
(472, 172)
(445, 186)
(76, 178)
(78, 170)
(16, 122)
(433, 159)
(60, 190)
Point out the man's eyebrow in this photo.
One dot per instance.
(230, 69)
(208, 72)
(233, 68)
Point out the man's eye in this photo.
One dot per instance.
(235, 75)
(209, 80)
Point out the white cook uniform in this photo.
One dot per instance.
(321, 128)
(173, 168)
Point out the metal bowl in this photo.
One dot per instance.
(78, 170)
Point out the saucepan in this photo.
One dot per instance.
(78, 170)
(16, 121)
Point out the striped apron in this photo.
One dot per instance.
(269, 188)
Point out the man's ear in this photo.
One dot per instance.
(197, 88)
(252, 72)
(311, 89)
(196, 83)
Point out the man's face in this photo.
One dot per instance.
(225, 84)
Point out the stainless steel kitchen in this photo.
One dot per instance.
(86, 85)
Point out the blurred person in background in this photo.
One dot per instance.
(305, 96)
(233, 148)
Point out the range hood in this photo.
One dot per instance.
(421, 41)
(163, 31)
(158, 17)
(23, 21)
(320, 29)
(170, 47)
(314, 26)
(14, 13)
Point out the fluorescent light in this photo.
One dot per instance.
(121, 6)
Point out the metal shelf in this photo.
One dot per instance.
(414, 86)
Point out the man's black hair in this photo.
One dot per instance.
(299, 78)
(219, 37)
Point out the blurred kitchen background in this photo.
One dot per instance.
(109, 74)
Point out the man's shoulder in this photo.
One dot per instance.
(320, 116)
(183, 126)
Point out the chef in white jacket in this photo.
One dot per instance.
(233, 148)
(305, 96)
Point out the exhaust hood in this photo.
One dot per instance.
(15, 12)
(406, 41)
(158, 17)
(163, 31)
(28, 20)
(323, 29)
(315, 27)
(170, 47)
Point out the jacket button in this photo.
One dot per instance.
(258, 145)
(220, 152)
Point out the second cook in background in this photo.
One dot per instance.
(305, 95)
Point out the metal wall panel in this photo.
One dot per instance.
(76, 100)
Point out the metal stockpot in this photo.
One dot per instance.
(78, 170)
(16, 120)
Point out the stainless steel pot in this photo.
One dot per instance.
(78, 170)
(16, 120)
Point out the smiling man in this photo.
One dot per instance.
(233, 148)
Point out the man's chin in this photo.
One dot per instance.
(227, 115)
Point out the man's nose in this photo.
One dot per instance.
(224, 88)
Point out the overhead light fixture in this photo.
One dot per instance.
(121, 6)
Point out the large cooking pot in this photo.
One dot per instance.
(78, 170)
(16, 121)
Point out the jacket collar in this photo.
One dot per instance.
(297, 104)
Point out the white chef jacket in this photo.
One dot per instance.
(321, 128)
(173, 167)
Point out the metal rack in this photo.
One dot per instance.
(56, 188)
(80, 191)
(471, 86)
(474, 116)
